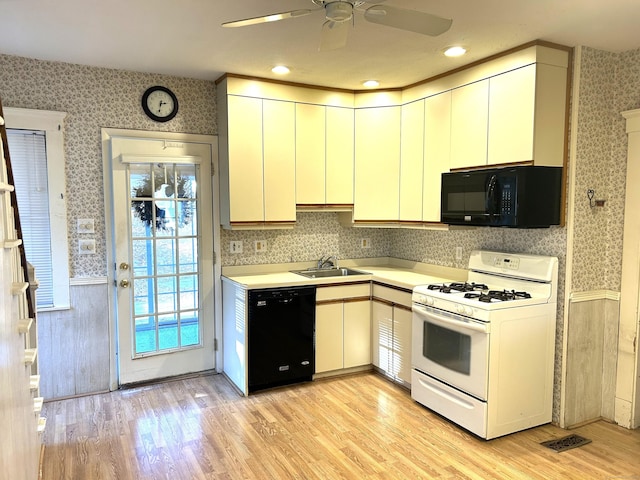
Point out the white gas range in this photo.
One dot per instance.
(483, 351)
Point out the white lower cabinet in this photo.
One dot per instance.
(343, 327)
(391, 332)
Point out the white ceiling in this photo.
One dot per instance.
(184, 37)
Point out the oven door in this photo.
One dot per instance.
(451, 348)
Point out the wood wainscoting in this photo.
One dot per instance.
(352, 427)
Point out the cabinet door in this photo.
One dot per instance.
(310, 154)
(246, 196)
(469, 120)
(382, 335)
(377, 164)
(339, 155)
(279, 161)
(402, 343)
(329, 339)
(511, 116)
(437, 146)
(357, 333)
(411, 161)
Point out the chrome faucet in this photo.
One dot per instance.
(328, 262)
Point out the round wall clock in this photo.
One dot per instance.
(159, 103)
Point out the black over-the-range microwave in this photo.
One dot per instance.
(519, 197)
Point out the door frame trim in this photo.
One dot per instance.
(106, 135)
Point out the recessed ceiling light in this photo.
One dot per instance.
(370, 83)
(455, 51)
(280, 70)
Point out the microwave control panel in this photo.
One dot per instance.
(506, 207)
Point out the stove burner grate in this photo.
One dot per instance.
(498, 296)
(458, 287)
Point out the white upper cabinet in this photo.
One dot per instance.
(469, 122)
(377, 164)
(437, 149)
(514, 117)
(278, 150)
(527, 116)
(511, 114)
(310, 154)
(324, 155)
(243, 162)
(411, 161)
(257, 162)
(339, 155)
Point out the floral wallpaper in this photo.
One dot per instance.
(95, 98)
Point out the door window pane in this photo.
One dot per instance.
(165, 248)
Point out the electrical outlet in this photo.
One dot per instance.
(235, 246)
(86, 246)
(260, 246)
(85, 225)
(365, 243)
(458, 253)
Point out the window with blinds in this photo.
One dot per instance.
(29, 163)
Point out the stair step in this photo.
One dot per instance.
(24, 325)
(37, 404)
(11, 243)
(42, 423)
(30, 355)
(18, 288)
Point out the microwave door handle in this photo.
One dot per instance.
(491, 195)
(443, 321)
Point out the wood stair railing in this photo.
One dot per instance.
(22, 426)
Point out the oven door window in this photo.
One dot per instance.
(447, 348)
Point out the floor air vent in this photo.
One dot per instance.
(566, 443)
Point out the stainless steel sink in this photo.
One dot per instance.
(329, 272)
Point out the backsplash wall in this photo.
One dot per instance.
(314, 235)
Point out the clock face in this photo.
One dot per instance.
(160, 104)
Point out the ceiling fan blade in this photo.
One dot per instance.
(334, 35)
(405, 19)
(268, 18)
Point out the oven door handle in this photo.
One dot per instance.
(443, 321)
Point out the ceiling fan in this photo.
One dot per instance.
(338, 14)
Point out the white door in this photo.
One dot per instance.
(163, 257)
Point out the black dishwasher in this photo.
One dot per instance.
(281, 336)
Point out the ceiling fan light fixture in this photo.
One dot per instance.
(455, 51)
(339, 11)
(280, 70)
(370, 83)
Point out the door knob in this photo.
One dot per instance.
(124, 266)
(124, 283)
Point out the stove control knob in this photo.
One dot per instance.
(430, 301)
(468, 311)
(460, 308)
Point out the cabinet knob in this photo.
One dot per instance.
(124, 283)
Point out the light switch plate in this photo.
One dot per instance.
(86, 246)
(235, 246)
(365, 243)
(260, 246)
(85, 225)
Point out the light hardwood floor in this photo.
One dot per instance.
(353, 427)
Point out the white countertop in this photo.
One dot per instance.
(390, 271)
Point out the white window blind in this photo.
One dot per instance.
(27, 149)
